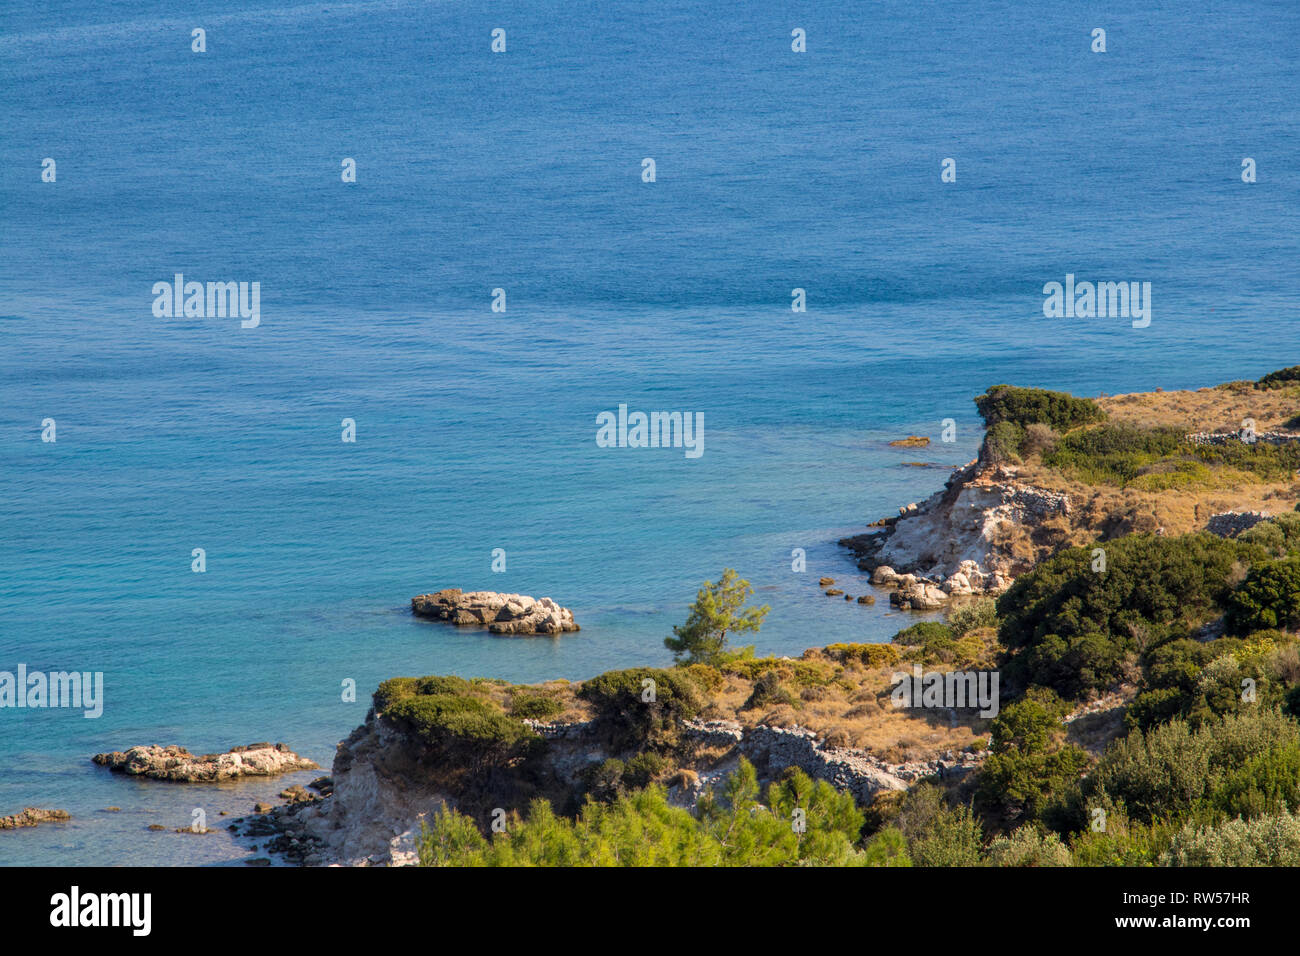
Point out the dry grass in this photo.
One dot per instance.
(847, 702)
(1207, 409)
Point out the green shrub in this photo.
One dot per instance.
(1272, 840)
(444, 721)
(1071, 628)
(1023, 406)
(526, 702)
(927, 634)
(1267, 462)
(642, 829)
(455, 719)
(635, 715)
(1282, 377)
(1170, 770)
(1002, 444)
(887, 848)
(1157, 706)
(938, 835)
(1113, 453)
(604, 780)
(644, 768)
(871, 655)
(981, 612)
(1026, 846)
(1121, 843)
(1030, 763)
(768, 692)
(1268, 598)
(1280, 534)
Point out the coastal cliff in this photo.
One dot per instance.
(1186, 620)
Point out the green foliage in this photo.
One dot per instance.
(635, 715)
(643, 829)
(398, 688)
(929, 640)
(644, 769)
(981, 612)
(768, 691)
(1113, 453)
(718, 610)
(1030, 763)
(887, 848)
(454, 718)
(1279, 535)
(1027, 846)
(871, 655)
(528, 702)
(1268, 598)
(604, 780)
(811, 671)
(707, 677)
(1272, 840)
(1282, 377)
(1266, 461)
(1071, 628)
(1158, 458)
(1121, 843)
(1234, 763)
(1023, 406)
(938, 835)
(1002, 444)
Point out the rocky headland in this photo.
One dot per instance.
(385, 780)
(178, 765)
(513, 614)
(952, 544)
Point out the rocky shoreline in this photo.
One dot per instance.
(381, 788)
(949, 545)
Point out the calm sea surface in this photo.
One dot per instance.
(475, 429)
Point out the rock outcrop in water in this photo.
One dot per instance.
(32, 817)
(178, 765)
(500, 613)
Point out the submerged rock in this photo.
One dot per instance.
(501, 613)
(33, 816)
(178, 765)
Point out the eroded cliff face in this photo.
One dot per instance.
(972, 537)
(380, 790)
(384, 785)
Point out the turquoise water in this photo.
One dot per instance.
(476, 430)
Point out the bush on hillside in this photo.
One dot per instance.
(1025, 406)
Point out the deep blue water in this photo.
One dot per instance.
(476, 430)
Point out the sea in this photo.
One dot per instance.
(507, 266)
